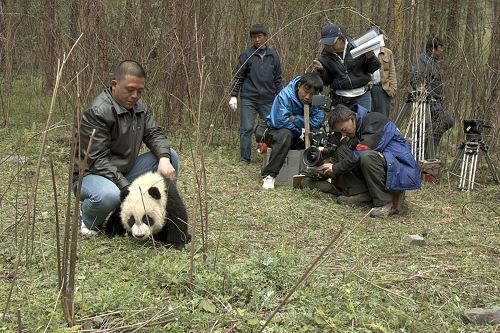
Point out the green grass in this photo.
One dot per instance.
(260, 243)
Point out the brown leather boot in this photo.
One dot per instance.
(391, 208)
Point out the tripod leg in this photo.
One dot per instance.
(473, 170)
(463, 170)
(423, 132)
(454, 165)
(413, 126)
(402, 114)
(491, 166)
(431, 148)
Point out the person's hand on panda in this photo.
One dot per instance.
(165, 168)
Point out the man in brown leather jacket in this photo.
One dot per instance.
(122, 123)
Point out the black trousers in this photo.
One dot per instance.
(441, 122)
(281, 141)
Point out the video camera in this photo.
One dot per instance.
(473, 129)
(313, 156)
(473, 126)
(323, 102)
(323, 137)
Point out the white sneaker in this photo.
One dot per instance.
(84, 230)
(268, 183)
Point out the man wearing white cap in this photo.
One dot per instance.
(347, 77)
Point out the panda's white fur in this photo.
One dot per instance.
(139, 204)
(151, 207)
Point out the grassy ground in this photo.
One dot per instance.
(260, 243)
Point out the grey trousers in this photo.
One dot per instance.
(381, 102)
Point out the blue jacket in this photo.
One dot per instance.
(286, 104)
(374, 131)
(258, 75)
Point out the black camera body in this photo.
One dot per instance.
(322, 101)
(473, 130)
(312, 156)
(322, 137)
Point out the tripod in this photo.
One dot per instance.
(469, 152)
(419, 127)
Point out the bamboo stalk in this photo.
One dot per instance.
(60, 67)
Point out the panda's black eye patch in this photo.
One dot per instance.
(131, 221)
(148, 220)
(154, 192)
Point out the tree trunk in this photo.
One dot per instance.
(436, 17)
(492, 102)
(7, 26)
(452, 28)
(48, 44)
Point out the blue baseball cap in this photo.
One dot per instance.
(329, 34)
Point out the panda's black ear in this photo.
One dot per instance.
(154, 192)
(124, 193)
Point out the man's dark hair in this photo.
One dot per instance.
(128, 67)
(312, 80)
(433, 44)
(340, 114)
(258, 29)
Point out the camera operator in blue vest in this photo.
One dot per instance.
(373, 168)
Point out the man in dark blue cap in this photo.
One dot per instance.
(347, 77)
(257, 81)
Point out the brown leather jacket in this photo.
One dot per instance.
(118, 138)
(387, 71)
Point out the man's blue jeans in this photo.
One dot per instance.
(100, 196)
(364, 100)
(248, 113)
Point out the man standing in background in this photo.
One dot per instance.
(384, 83)
(426, 81)
(258, 81)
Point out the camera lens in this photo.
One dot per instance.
(312, 157)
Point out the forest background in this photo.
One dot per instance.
(190, 48)
(250, 248)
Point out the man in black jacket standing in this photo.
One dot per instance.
(348, 77)
(122, 123)
(427, 82)
(257, 81)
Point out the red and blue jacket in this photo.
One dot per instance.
(374, 131)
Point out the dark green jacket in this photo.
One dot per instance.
(118, 138)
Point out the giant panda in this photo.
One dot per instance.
(151, 207)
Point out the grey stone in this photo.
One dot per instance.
(414, 240)
(98, 321)
(480, 316)
(14, 159)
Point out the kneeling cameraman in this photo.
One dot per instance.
(373, 167)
